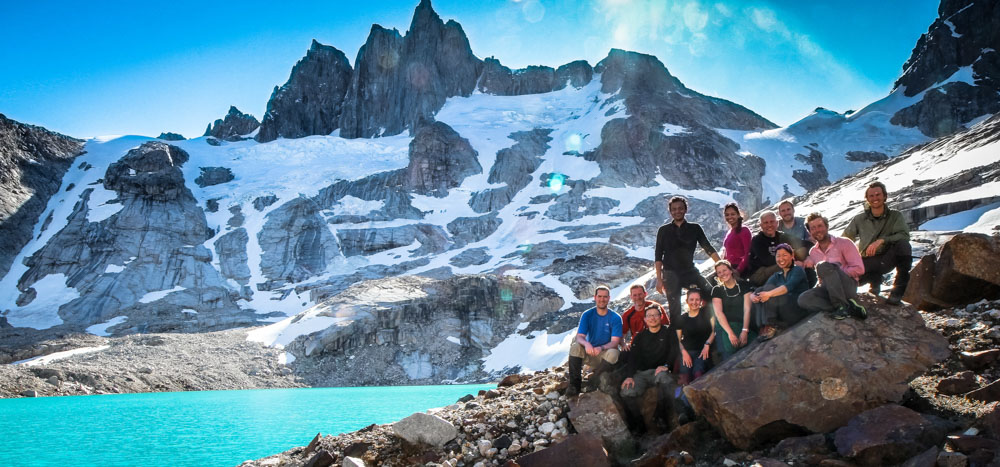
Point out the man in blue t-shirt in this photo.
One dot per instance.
(596, 341)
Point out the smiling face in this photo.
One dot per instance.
(768, 224)
(678, 210)
(602, 298)
(818, 230)
(787, 212)
(723, 272)
(875, 197)
(652, 318)
(638, 296)
(694, 301)
(732, 216)
(783, 258)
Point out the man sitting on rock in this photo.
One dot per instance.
(838, 265)
(654, 349)
(674, 256)
(762, 248)
(597, 339)
(795, 228)
(884, 241)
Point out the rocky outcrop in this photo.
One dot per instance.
(397, 80)
(865, 156)
(310, 102)
(499, 80)
(964, 36)
(439, 160)
(966, 269)
(816, 375)
(583, 266)
(214, 176)
(32, 163)
(816, 177)
(465, 230)
(414, 329)
(296, 243)
(233, 127)
(888, 435)
(513, 166)
(145, 261)
(429, 238)
(232, 251)
(168, 136)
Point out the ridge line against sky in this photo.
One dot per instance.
(125, 68)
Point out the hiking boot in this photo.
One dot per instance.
(839, 313)
(572, 391)
(767, 332)
(894, 300)
(575, 371)
(876, 288)
(857, 310)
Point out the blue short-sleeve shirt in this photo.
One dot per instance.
(600, 329)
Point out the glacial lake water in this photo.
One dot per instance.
(206, 428)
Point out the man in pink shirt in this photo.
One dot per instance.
(838, 265)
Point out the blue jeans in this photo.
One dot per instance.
(696, 369)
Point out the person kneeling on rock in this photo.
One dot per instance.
(653, 349)
(597, 340)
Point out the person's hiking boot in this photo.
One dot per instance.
(575, 373)
(876, 288)
(767, 333)
(894, 300)
(839, 313)
(857, 310)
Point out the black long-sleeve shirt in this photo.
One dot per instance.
(675, 245)
(762, 249)
(651, 350)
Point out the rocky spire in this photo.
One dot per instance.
(235, 125)
(398, 79)
(310, 102)
(960, 46)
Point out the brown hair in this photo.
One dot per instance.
(815, 215)
(600, 288)
(739, 215)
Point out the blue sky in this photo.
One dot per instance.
(99, 68)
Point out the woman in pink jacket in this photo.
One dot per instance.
(737, 242)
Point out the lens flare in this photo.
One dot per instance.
(556, 182)
(574, 142)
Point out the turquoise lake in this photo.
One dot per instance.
(209, 428)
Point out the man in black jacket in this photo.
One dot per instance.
(674, 256)
(654, 349)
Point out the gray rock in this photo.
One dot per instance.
(424, 428)
(397, 79)
(168, 136)
(29, 393)
(235, 125)
(500, 80)
(262, 202)
(513, 166)
(214, 176)
(355, 242)
(32, 163)
(439, 160)
(310, 102)
(886, 435)
(465, 230)
(815, 178)
(470, 257)
(296, 243)
(866, 156)
(232, 251)
(577, 74)
(353, 462)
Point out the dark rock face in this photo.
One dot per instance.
(965, 34)
(966, 269)
(214, 176)
(370, 241)
(309, 103)
(398, 328)
(866, 156)
(168, 136)
(32, 163)
(234, 126)
(397, 79)
(155, 240)
(583, 450)
(815, 178)
(501, 81)
(513, 166)
(439, 160)
(816, 375)
(465, 230)
(296, 243)
(887, 435)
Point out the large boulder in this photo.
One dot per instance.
(887, 435)
(966, 270)
(816, 375)
(597, 414)
(440, 159)
(425, 428)
(580, 450)
(309, 102)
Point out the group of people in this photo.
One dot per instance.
(763, 283)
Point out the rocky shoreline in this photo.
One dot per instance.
(149, 363)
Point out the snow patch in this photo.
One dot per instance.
(43, 311)
(966, 219)
(101, 329)
(536, 352)
(154, 296)
(45, 359)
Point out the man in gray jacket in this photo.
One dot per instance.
(884, 242)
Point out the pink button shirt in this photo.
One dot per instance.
(843, 252)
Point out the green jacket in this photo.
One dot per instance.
(866, 228)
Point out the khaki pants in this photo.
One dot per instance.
(608, 355)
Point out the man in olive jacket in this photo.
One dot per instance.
(884, 242)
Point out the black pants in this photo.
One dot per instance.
(674, 281)
(782, 311)
(898, 256)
